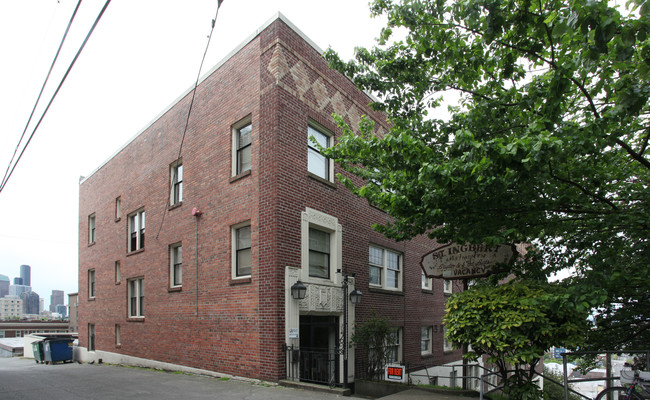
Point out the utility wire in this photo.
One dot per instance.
(56, 56)
(7, 176)
(189, 112)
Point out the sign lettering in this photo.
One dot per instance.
(454, 261)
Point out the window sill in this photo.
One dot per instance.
(118, 219)
(175, 289)
(118, 346)
(427, 291)
(240, 176)
(386, 291)
(91, 298)
(135, 319)
(240, 281)
(321, 180)
(174, 206)
(118, 282)
(427, 355)
(135, 252)
(91, 244)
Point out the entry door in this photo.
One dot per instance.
(318, 349)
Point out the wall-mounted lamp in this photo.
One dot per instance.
(298, 290)
(355, 296)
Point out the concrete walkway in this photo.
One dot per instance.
(419, 394)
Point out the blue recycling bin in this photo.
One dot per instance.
(57, 350)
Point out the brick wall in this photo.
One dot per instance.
(282, 83)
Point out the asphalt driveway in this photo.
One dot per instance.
(26, 380)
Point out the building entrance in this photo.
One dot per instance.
(319, 349)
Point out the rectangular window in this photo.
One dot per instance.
(136, 231)
(385, 267)
(136, 298)
(91, 228)
(176, 173)
(394, 347)
(319, 253)
(447, 286)
(118, 272)
(425, 341)
(242, 251)
(91, 337)
(91, 283)
(427, 283)
(176, 265)
(118, 335)
(446, 344)
(118, 208)
(318, 164)
(243, 146)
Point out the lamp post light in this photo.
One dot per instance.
(298, 290)
(355, 298)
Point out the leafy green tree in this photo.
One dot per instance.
(376, 336)
(513, 325)
(548, 143)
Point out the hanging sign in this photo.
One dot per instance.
(456, 261)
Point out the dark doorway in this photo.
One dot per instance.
(319, 352)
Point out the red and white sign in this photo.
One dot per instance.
(395, 373)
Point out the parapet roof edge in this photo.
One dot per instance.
(246, 41)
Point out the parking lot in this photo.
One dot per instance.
(24, 379)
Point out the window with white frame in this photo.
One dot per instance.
(394, 347)
(447, 287)
(118, 208)
(242, 145)
(425, 346)
(118, 335)
(319, 253)
(91, 283)
(446, 344)
(91, 337)
(318, 164)
(241, 250)
(385, 267)
(176, 265)
(118, 272)
(91, 228)
(427, 283)
(136, 298)
(320, 246)
(136, 230)
(176, 174)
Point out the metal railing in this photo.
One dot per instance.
(312, 365)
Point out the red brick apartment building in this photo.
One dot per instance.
(248, 209)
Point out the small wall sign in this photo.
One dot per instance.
(294, 333)
(395, 373)
(456, 261)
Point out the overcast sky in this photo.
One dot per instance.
(141, 57)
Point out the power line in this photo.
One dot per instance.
(56, 56)
(92, 29)
(189, 112)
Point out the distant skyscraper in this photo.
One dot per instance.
(17, 290)
(62, 309)
(30, 302)
(4, 285)
(18, 281)
(57, 298)
(26, 274)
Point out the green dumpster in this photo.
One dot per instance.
(37, 346)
